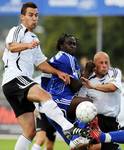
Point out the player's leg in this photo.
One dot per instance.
(39, 140)
(49, 145)
(108, 124)
(26, 122)
(50, 108)
(51, 136)
(114, 136)
(107, 139)
(23, 110)
(95, 132)
(76, 142)
(44, 130)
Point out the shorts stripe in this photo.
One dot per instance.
(23, 81)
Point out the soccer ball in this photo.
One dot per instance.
(86, 111)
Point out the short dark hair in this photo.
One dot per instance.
(62, 39)
(27, 5)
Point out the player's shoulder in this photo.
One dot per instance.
(114, 71)
(61, 56)
(17, 29)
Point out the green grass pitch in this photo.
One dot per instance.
(7, 144)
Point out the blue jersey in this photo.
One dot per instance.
(61, 93)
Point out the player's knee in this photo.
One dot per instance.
(30, 133)
(43, 96)
(39, 96)
(40, 137)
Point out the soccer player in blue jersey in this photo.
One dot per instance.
(64, 95)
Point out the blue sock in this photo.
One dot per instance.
(102, 137)
(114, 136)
(117, 136)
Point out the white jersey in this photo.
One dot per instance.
(107, 103)
(21, 63)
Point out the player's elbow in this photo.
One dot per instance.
(12, 50)
(11, 47)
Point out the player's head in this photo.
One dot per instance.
(102, 63)
(29, 15)
(67, 43)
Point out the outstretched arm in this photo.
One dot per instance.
(18, 47)
(47, 68)
(107, 87)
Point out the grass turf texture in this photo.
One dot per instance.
(7, 144)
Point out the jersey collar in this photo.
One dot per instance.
(24, 28)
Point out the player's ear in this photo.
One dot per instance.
(21, 18)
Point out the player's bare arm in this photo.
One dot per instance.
(107, 87)
(45, 67)
(18, 47)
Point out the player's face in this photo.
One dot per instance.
(102, 65)
(70, 45)
(30, 18)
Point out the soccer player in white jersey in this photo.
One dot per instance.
(104, 87)
(21, 54)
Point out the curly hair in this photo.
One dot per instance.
(62, 39)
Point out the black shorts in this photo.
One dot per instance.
(44, 125)
(16, 92)
(108, 124)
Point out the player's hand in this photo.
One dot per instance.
(33, 44)
(64, 76)
(87, 83)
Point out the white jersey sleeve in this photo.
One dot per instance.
(39, 57)
(15, 35)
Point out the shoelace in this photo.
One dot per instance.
(81, 132)
(76, 131)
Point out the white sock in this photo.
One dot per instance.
(36, 147)
(51, 109)
(107, 138)
(22, 143)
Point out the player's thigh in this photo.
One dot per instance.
(37, 94)
(27, 123)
